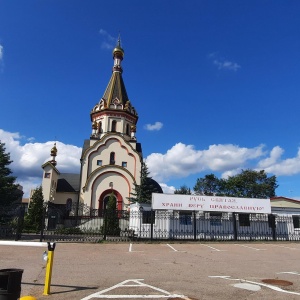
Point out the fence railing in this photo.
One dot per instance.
(179, 225)
(82, 224)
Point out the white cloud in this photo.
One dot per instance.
(155, 126)
(109, 41)
(107, 35)
(223, 64)
(226, 65)
(1, 53)
(167, 189)
(28, 158)
(275, 155)
(183, 160)
(180, 161)
(106, 45)
(275, 165)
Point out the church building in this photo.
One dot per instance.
(111, 158)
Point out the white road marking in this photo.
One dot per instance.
(172, 248)
(287, 247)
(293, 273)
(272, 287)
(214, 249)
(257, 249)
(175, 250)
(130, 249)
(136, 283)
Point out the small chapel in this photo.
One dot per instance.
(111, 158)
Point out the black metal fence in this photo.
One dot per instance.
(80, 223)
(11, 221)
(179, 225)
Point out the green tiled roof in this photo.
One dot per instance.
(116, 89)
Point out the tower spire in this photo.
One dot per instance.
(118, 55)
(119, 40)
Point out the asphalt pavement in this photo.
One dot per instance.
(160, 270)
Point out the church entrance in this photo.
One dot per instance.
(104, 198)
(105, 202)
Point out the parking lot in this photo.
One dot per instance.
(161, 270)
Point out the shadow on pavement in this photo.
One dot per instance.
(69, 288)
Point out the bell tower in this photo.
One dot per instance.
(111, 158)
(114, 112)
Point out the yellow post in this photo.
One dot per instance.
(51, 247)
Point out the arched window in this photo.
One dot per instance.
(112, 158)
(69, 205)
(113, 126)
(99, 127)
(127, 129)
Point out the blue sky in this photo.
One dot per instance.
(215, 83)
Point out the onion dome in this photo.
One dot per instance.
(53, 153)
(54, 150)
(118, 52)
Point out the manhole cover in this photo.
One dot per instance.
(277, 282)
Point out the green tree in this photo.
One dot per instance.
(34, 217)
(9, 191)
(143, 193)
(209, 185)
(251, 184)
(111, 217)
(183, 190)
(247, 184)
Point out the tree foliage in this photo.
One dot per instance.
(111, 217)
(247, 184)
(183, 190)
(209, 185)
(34, 217)
(9, 191)
(143, 193)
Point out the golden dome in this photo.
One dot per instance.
(118, 49)
(54, 150)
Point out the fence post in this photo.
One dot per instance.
(195, 227)
(273, 226)
(151, 227)
(43, 224)
(234, 226)
(20, 222)
(105, 225)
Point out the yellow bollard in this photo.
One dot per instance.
(27, 298)
(51, 247)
